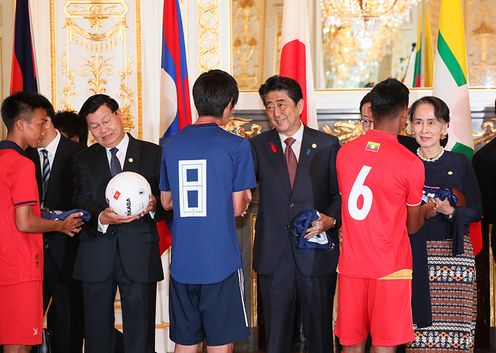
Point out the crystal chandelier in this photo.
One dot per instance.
(357, 34)
(388, 12)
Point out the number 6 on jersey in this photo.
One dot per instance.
(359, 188)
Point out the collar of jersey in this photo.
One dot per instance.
(384, 135)
(5, 144)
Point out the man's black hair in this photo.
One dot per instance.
(281, 83)
(388, 98)
(94, 102)
(365, 99)
(213, 91)
(21, 105)
(69, 122)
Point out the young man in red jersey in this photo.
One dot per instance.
(21, 242)
(381, 186)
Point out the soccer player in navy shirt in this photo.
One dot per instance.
(206, 176)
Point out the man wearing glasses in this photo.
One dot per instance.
(116, 251)
(367, 121)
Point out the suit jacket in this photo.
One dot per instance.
(315, 187)
(61, 247)
(137, 242)
(484, 163)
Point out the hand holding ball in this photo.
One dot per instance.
(128, 193)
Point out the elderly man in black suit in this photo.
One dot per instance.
(54, 173)
(115, 250)
(295, 168)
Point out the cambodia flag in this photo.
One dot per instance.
(23, 77)
(296, 61)
(175, 110)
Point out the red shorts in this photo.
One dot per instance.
(21, 312)
(381, 307)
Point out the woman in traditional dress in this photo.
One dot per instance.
(444, 297)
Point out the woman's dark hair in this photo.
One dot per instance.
(441, 110)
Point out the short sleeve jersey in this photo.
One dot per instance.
(21, 254)
(202, 166)
(378, 179)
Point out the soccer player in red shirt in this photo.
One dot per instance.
(381, 186)
(21, 242)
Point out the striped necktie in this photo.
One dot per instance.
(45, 174)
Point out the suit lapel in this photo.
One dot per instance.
(55, 168)
(305, 157)
(132, 156)
(277, 159)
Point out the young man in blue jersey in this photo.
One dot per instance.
(206, 177)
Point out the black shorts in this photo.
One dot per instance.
(214, 312)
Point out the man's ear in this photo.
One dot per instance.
(19, 124)
(300, 105)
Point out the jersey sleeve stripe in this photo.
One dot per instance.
(31, 202)
(414, 204)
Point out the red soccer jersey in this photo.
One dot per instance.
(378, 178)
(21, 254)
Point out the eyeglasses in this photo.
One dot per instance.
(366, 122)
(104, 123)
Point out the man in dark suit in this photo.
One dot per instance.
(484, 163)
(54, 173)
(115, 250)
(295, 168)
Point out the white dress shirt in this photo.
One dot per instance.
(296, 146)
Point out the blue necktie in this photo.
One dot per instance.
(115, 165)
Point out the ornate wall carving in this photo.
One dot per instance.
(96, 48)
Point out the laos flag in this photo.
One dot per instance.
(23, 76)
(175, 110)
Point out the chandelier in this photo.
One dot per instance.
(388, 12)
(357, 35)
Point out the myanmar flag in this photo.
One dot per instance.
(424, 55)
(450, 76)
(451, 85)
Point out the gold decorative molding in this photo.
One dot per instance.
(344, 130)
(53, 53)
(235, 126)
(208, 33)
(96, 67)
(254, 283)
(349, 130)
(247, 42)
(139, 66)
(68, 92)
(127, 96)
(99, 54)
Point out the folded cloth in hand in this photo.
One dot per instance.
(299, 226)
(441, 193)
(61, 215)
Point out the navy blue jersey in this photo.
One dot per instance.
(202, 166)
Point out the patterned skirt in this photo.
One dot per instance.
(452, 284)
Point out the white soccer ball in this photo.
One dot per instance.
(128, 193)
